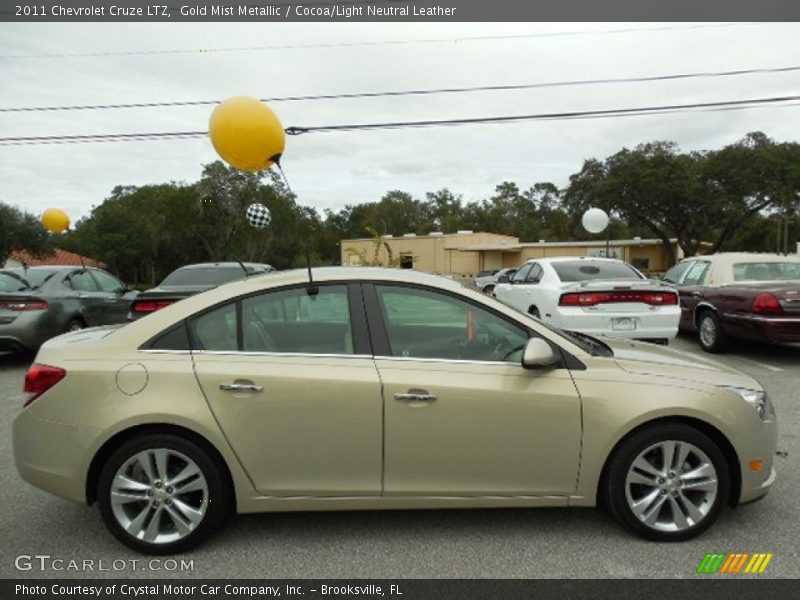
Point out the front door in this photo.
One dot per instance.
(462, 417)
(289, 378)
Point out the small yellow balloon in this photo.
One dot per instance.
(246, 133)
(55, 220)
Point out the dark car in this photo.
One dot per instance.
(739, 295)
(37, 303)
(190, 280)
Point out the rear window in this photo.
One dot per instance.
(766, 271)
(586, 270)
(12, 283)
(204, 276)
(35, 277)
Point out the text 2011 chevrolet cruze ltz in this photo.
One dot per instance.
(381, 389)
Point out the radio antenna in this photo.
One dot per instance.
(312, 289)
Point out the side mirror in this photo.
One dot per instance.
(538, 354)
(503, 279)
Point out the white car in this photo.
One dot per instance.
(597, 296)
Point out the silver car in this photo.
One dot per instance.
(37, 303)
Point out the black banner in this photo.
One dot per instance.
(398, 10)
(402, 589)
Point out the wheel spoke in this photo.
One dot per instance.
(683, 454)
(708, 485)
(152, 528)
(694, 513)
(642, 464)
(193, 515)
(137, 524)
(637, 477)
(668, 454)
(195, 485)
(188, 471)
(121, 482)
(147, 465)
(161, 458)
(704, 471)
(120, 497)
(180, 524)
(678, 517)
(650, 515)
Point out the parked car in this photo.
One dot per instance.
(381, 389)
(595, 296)
(190, 280)
(745, 296)
(37, 303)
(486, 280)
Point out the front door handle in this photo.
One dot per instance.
(241, 387)
(415, 396)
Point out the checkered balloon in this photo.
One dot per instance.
(258, 215)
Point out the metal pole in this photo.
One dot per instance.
(608, 241)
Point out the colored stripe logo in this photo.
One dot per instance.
(734, 563)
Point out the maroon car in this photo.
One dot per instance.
(739, 295)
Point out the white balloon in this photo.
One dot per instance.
(595, 220)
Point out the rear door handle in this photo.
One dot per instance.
(241, 387)
(415, 396)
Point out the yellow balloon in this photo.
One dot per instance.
(246, 133)
(55, 220)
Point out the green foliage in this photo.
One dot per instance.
(22, 231)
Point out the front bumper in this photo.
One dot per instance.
(758, 445)
(52, 456)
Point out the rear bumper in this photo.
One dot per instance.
(767, 329)
(52, 456)
(649, 325)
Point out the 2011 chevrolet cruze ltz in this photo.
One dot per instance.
(381, 389)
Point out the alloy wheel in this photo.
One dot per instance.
(708, 331)
(159, 495)
(671, 486)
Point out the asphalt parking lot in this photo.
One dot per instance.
(528, 543)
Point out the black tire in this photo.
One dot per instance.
(217, 504)
(712, 339)
(74, 325)
(488, 289)
(534, 312)
(615, 495)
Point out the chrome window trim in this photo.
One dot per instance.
(461, 361)
(277, 354)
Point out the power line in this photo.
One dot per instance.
(420, 92)
(504, 119)
(477, 38)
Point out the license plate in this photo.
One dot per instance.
(623, 324)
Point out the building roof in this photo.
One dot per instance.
(517, 247)
(436, 235)
(59, 257)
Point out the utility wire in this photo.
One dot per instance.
(420, 92)
(477, 38)
(588, 114)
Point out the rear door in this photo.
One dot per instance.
(290, 378)
(117, 303)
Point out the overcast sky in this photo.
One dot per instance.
(329, 170)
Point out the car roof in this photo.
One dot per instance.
(232, 264)
(566, 258)
(736, 257)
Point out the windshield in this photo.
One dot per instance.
(10, 282)
(586, 270)
(766, 271)
(204, 276)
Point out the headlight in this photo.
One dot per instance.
(755, 398)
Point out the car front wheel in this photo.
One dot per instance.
(710, 334)
(161, 494)
(667, 483)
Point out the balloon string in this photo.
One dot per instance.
(285, 179)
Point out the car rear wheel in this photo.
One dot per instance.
(161, 494)
(710, 334)
(74, 325)
(488, 289)
(667, 483)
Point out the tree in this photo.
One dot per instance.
(22, 231)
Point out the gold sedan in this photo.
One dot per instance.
(381, 389)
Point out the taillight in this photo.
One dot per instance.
(41, 378)
(595, 298)
(766, 304)
(23, 305)
(148, 306)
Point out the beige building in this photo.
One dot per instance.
(466, 253)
